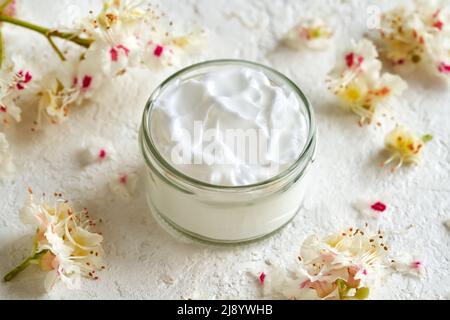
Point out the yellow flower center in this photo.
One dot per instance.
(352, 93)
(315, 33)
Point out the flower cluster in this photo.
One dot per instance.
(121, 36)
(405, 147)
(57, 94)
(358, 83)
(126, 35)
(65, 245)
(342, 266)
(312, 33)
(417, 35)
(14, 80)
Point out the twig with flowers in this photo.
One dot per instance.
(48, 33)
(122, 35)
(65, 244)
(347, 265)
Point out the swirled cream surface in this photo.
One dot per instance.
(229, 127)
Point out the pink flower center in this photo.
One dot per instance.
(262, 277)
(87, 80)
(436, 13)
(305, 283)
(123, 179)
(438, 24)
(158, 50)
(378, 206)
(24, 78)
(114, 52)
(124, 49)
(444, 68)
(28, 77)
(350, 59)
(102, 154)
(304, 33)
(10, 9)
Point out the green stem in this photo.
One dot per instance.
(25, 263)
(2, 48)
(55, 47)
(2, 42)
(84, 42)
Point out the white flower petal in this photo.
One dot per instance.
(85, 239)
(97, 151)
(409, 265)
(311, 33)
(358, 83)
(57, 244)
(30, 213)
(51, 279)
(371, 207)
(124, 185)
(7, 167)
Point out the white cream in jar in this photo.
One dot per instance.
(227, 144)
(197, 115)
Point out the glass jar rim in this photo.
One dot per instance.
(308, 149)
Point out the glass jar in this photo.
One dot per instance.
(224, 214)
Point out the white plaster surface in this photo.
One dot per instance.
(144, 262)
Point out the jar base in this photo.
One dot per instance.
(186, 236)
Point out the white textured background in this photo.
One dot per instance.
(145, 262)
